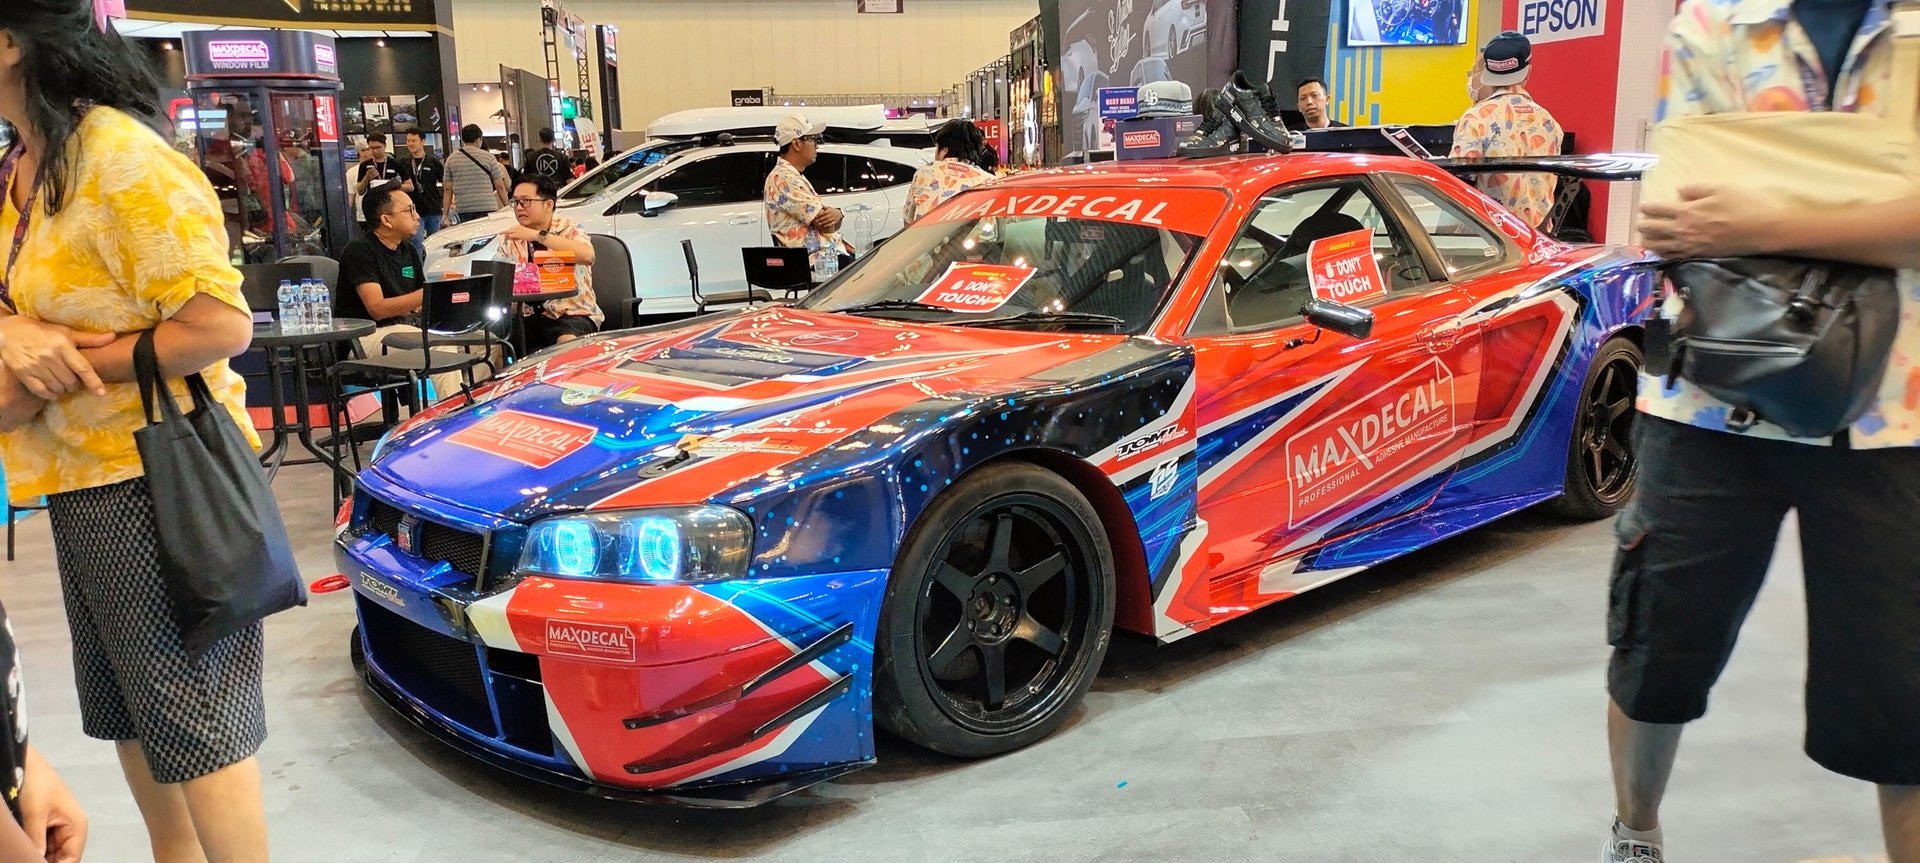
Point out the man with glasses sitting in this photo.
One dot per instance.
(540, 228)
(382, 276)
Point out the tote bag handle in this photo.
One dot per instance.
(146, 371)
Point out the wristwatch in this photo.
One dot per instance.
(543, 234)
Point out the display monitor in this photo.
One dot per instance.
(1406, 22)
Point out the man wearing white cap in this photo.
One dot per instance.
(1505, 122)
(795, 213)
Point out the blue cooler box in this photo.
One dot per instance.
(1158, 138)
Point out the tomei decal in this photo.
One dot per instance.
(1190, 211)
(590, 640)
(976, 288)
(1342, 268)
(1337, 458)
(535, 441)
(382, 591)
(1151, 441)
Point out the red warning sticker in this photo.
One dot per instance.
(976, 288)
(1342, 268)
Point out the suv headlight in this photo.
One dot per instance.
(462, 248)
(670, 544)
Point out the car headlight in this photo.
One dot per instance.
(673, 544)
(462, 248)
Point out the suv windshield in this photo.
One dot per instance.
(622, 166)
(1093, 259)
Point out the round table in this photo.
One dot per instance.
(520, 321)
(286, 350)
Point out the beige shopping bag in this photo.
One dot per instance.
(1819, 159)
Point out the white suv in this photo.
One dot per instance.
(714, 196)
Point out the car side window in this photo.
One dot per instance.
(1266, 274)
(1464, 244)
(729, 178)
(885, 174)
(834, 174)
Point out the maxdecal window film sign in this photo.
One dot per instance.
(214, 54)
(1561, 20)
(239, 54)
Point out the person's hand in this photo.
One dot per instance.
(51, 815)
(522, 233)
(829, 220)
(46, 357)
(1708, 222)
(17, 406)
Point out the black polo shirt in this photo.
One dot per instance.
(398, 272)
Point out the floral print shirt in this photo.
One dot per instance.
(935, 183)
(792, 205)
(1510, 123)
(141, 233)
(1728, 56)
(582, 304)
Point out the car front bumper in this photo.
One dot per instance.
(716, 695)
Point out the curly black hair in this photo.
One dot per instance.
(67, 65)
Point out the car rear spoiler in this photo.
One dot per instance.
(1604, 167)
(1611, 167)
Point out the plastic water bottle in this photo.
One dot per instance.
(322, 304)
(826, 266)
(289, 305)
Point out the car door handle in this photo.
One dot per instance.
(740, 220)
(1441, 336)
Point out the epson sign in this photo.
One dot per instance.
(1560, 20)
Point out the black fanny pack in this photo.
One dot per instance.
(1798, 343)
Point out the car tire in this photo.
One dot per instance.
(1010, 567)
(1601, 467)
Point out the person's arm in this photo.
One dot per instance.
(574, 241)
(501, 191)
(202, 332)
(15, 847)
(446, 196)
(1713, 222)
(17, 406)
(362, 181)
(405, 172)
(56, 825)
(383, 307)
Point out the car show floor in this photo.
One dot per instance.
(1446, 707)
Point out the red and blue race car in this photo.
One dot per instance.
(701, 562)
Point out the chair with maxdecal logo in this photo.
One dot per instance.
(702, 300)
(778, 269)
(450, 308)
(494, 336)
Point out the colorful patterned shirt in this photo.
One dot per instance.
(582, 304)
(139, 235)
(1730, 56)
(935, 183)
(792, 205)
(1509, 123)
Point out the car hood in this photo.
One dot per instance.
(738, 394)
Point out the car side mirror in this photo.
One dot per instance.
(1354, 323)
(656, 203)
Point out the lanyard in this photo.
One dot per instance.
(7, 167)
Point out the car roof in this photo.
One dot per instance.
(1241, 175)
(899, 154)
(709, 121)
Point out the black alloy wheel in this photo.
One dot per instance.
(1601, 467)
(998, 613)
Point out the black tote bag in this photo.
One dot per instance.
(224, 550)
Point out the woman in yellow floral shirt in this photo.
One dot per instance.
(107, 233)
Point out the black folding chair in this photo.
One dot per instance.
(702, 300)
(778, 269)
(494, 335)
(451, 308)
(613, 282)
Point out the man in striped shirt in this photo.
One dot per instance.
(476, 184)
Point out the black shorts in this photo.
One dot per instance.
(544, 332)
(1694, 547)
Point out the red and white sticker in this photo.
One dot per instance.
(1372, 440)
(591, 640)
(532, 440)
(1342, 269)
(976, 288)
(1188, 211)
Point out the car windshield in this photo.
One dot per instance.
(1008, 258)
(620, 167)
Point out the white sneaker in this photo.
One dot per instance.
(1620, 849)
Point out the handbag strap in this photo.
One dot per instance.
(146, 372)
(1903, 92)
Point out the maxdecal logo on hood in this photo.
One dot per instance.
(529, 439)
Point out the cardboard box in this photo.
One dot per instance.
(1158, 138)
(556, 271)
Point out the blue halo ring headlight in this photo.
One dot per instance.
(663, 545)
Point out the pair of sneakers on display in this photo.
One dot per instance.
(1240, 110)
